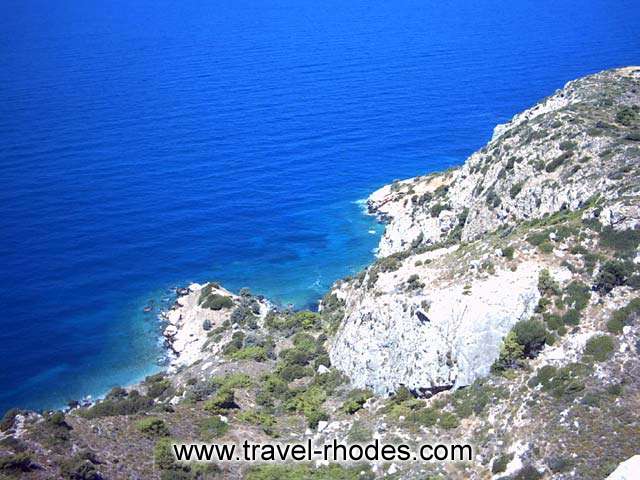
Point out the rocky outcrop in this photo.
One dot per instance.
(555, 156)
(429, 317)
(189, 322)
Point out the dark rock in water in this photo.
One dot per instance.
(182, 291)
(147, 309)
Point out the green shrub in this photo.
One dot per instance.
(80, 467)
(223, 400)
(158, 385)
(577, 295)
(293, 372)
(356, 400)
(556, 162)
(437, 208)
(289, 323)
(153, 427)
(163, 456)
(307, 472)
(309, 403)
(600, 347)
(500, 463)
(132, 403)
(624, 316)
(571, 317)
(250, 353)
(231, 381)
(511, 353)
(554, 322)
(564, 382)
(472, 399)
(507, 252)
(532, 335)
(258, 418)
(213, 427)
(448, 421)
(215, 301)
(547, 285)
(528, 472)
(624, 242)
(560, 464)
(626, 116)
(515, 189)
(612, 274)
(493, 200)
(236, 343)
(18, 462)
(359, 433)
(536, 238)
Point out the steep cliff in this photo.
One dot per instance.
(432, 311)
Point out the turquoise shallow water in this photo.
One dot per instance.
(149, 144)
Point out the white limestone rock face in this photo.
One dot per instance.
(389, 339)
(627, 470)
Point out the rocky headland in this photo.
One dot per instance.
(503, 311)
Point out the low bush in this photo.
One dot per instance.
(557, 162)
(215, 301)
(625, 316)
(223, 400)
(511, 353)
(624, 242)
(258, 418)
(80, 467)
(308, 472)
(500, 463)
(213, 427)
(571, 317)
(626, 116)
(515, 189)
(356, 400)
(448, 421)
(231, 381)
(309, 402)
(577, 295)
(8, 418)
(158, 386)
(18, 462)
(493, 200)
(438, 208)
(532, 335)
(256, 353)
(600, 347)
(547, 285)
(152, 427)
(612, 274)
(564, 382)
(507, 252)
(128, 405)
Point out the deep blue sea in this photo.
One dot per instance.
(148, 144)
